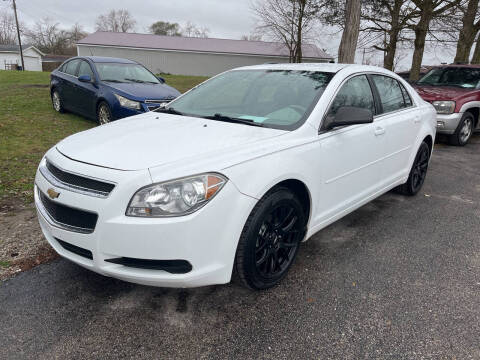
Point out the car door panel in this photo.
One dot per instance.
(351, 156)
(86, 92)
(401, 121)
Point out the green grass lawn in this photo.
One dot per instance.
(29, 127)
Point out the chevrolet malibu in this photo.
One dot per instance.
(232, 176)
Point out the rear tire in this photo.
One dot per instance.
(104, 115)
(57, 102)
(464, 131)
(270, 239)
(418, 172)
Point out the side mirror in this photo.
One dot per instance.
(351, 115)
(162, 80)
(85, 78)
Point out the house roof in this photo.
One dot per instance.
(211, 45)
(16, 48)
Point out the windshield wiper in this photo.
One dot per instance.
(113, 80)
(220, 117)
(169, 110)
(141, 81)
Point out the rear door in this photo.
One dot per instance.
(350, 157)
(86, 92)
(68, 86)
(401, 121)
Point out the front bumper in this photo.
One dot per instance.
(206, 239)
(447, 124)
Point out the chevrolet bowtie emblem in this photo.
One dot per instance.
(52, 193)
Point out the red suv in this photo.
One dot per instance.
(454, 91)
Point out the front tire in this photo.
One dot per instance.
(104, 115)
(57, 102)
(418, 172)
(464, 131)
(270, 239)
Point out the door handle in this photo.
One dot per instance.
(379, 131)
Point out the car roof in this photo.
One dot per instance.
(472, 66)
(322, 67)
(104, 59)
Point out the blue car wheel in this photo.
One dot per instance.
(104, 115)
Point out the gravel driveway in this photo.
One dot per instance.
(397, 279)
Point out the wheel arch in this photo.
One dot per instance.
(301, 191)
(429, 140)
(475, 111)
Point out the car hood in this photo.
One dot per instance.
(154, 139)
(137, 91)
(433, 93)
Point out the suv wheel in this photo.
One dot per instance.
(418, 172)
(464, 130)
(270, 239)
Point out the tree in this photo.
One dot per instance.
(428, 9)
(251, 37)
(48, 37)
(348, 44)
(115, 21)
(192, 30)
(290, 22)
(165, 28)
(8, 34)
(476, 53)
(384, 23)
(468, 32)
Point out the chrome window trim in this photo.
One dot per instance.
(77, 189)
(49, 219)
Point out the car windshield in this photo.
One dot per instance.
(117, 72)
(279, 99)
(467, 78)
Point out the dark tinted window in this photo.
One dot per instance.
(390, 93)
(452, 76)
(355, 92)
(85, 69)
(71, 67)
(406, 96)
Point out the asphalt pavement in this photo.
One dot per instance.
(397, 279)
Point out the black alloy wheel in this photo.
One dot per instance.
(270, 239)
(418, 172)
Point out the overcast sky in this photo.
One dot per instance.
(224, 18)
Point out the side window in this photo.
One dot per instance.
(390, 93)
(406, 96)
(85, 69)
(71, 67)
(355, 92)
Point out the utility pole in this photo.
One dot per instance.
(18, 34)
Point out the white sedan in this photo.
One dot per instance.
(232, 176)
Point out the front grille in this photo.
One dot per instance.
(78, 182)
(171, 266)
(67, 217)
(76, 249)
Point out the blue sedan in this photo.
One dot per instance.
(107, 89)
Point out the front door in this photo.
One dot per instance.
(350, 157)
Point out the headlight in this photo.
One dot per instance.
(444, 107)
(177, 197)
(127, 102)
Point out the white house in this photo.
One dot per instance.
(10, 56)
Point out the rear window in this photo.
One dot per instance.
(391, 96)
(71, 67)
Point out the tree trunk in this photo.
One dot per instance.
(301, 12)
(421, 30)
(467, 33)
(348, 45)
(476, 53)
(391, 47)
